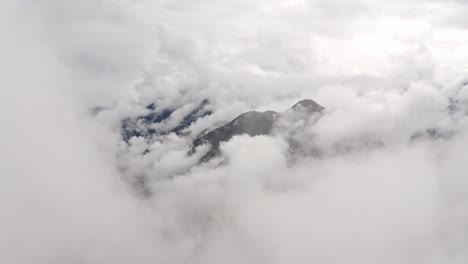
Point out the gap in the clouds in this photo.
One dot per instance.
(142, 126)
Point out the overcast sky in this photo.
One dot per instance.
(383, 70)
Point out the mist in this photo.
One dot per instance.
(378, 176)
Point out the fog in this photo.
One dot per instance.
(388, 185)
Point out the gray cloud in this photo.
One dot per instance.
(385, 72)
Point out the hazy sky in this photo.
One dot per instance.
(383, 70)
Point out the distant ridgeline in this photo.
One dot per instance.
(142, 126)
(252, 123)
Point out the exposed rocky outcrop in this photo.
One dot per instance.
(252, 123)
(143, 125)
(307, 106)
(293, 125)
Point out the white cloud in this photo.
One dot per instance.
(383, 70)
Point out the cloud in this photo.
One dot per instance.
(383, 71)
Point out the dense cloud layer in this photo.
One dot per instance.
(378, 177)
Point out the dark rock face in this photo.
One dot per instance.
(193, 116)
(251, 123)
(141, 125)
(308, 106)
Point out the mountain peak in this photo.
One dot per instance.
(307, 105)
(252, 123)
